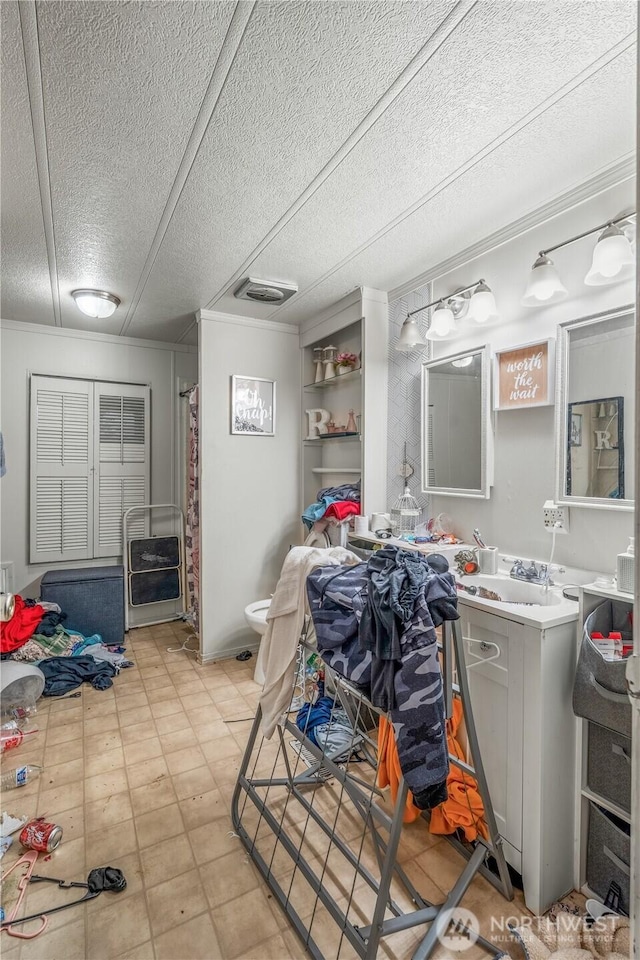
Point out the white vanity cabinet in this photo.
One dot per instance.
(496, 681)
(521, 662)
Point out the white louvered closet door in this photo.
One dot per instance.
(61, 526)
(122, 462)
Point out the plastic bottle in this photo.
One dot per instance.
(19, 777)
(12, 734)
(18, 710)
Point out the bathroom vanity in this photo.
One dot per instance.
(521, 663)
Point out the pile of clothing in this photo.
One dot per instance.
(333, 505)
(376, 625)
(36, 633)
(328, 726)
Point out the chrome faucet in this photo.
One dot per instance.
(533, 573)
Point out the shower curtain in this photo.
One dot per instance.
(192, 532)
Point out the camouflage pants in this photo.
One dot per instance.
(337, 599)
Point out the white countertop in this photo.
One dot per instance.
(446, 549)
(539, 616)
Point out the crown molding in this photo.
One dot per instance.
(613, 175)
(40, 329)
(240, 321)
(349, 300)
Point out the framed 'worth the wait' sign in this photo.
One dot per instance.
(523, 376)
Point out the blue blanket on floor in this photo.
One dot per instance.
(63, 674)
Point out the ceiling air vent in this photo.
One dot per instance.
(265, 291)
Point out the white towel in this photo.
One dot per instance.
(284, 625)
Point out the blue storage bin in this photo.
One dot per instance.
(92, 598)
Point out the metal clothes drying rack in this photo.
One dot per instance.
(327, 848)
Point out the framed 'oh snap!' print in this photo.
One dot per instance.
(253, 406)
(523, 376)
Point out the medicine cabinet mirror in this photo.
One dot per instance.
(594, 411)
(457, 443)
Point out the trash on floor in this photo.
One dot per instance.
(13, 733)
(9, 824)
(101, 878)
(19, 777)
(40, 835)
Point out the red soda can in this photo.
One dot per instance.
(39, 835)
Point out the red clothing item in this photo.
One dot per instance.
(341, 509)
(22, 625)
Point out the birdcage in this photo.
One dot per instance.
(405, 514)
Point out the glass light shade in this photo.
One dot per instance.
(410, 336)
(612, 258)
(97, 304)
(483, 304)
(462, 362)
(442, 323)
(544, 286)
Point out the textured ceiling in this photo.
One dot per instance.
(165, 150)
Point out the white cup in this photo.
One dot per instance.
(360, 525)
(488, 559)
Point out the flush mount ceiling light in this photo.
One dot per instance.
(476, 301)
(95, 303)
(265, 291)
(613, 260)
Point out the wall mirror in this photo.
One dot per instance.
(456, 425)
(595, 411)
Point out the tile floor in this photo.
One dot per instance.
(141, 776)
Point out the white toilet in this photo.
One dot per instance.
(256, 616)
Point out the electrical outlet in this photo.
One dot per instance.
(555, 517)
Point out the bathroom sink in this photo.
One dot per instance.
(508, 590)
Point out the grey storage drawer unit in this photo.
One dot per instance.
(608, 854)
(600, 688)
(609, 765)
(92, 598)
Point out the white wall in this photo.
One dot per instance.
(31, 348)
(524, 439)
(249, 508)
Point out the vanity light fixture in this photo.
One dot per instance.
(480, 305)
(97, 304)
(443, 322)
(410, 336)
(613, 260)
(545, 285)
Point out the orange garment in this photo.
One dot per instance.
(464, 808)
(389, 772)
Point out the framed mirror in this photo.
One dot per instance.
(595, 394)
(457, 449)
